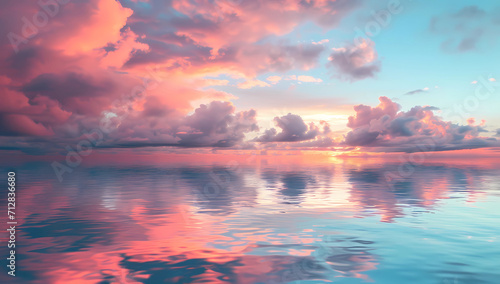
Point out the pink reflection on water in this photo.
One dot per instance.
(115, 239)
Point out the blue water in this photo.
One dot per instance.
(341, 222)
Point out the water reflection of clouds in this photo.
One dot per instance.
(421, 190)
(154, 224)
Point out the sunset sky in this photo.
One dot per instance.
(345, 75)
(250, 141)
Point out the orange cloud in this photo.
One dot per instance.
(103, 26)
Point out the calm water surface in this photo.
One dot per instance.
(262, 222)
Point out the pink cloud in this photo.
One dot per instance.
(144, 68)
(248, 21)
(309, 79)
(386, 128)
(253, 83)
(211, 125)
(102, 25)
(357, 61)
(274, 79)
(21, 125)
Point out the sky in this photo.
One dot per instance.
(190, 75)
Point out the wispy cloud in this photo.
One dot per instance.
(274, 79)
(309, 79)
(253, 83)
(417, 91)
(323, 41)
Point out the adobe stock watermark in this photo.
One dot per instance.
(108, 122)
(313, 265)
(486, 87)
(11, 223)
(380, 19)
(221, 180)
(453, 280)
(31, 26)
(409, 162)
(217, 5)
